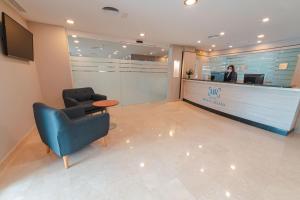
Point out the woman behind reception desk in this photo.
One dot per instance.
(230, 74)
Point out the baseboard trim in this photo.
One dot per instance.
(243, 120)
(9, 156)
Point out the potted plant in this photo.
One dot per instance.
(189, 73)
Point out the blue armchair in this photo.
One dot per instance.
(83, 97)
(69, 130)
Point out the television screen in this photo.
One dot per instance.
(17, 41)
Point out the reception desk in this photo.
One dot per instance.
(271, 108)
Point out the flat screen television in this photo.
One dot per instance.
(17, 40)
(217, 76)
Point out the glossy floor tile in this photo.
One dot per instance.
(162, 151)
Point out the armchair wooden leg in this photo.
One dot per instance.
(66, 161)
(104, 141)
(47, 149)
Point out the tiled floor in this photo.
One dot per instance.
(162, 151)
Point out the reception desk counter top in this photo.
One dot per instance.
(272, 108)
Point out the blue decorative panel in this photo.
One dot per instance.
(259, 63)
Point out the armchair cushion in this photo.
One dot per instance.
(70, 102)
(74, 112)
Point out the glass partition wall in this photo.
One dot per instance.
(277, 66)
(130, 73)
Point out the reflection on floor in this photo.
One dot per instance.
(169, 151)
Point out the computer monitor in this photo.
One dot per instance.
(217, 76)
(257, 79)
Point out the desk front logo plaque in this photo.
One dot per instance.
(214, 96)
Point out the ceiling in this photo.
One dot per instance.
(106, 49)
(170, 22)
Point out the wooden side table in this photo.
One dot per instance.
(106, 104)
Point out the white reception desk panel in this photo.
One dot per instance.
(272, 108)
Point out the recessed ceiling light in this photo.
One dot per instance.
(124, 46)
(264, 20)
(79, 55)
(115, 52)
(142, 164)
(230, 46)
(233, 167)
(227, 194)
(151, 53)
(259, 41)
(142, 34)
(210, 50)
(199, 41)
(70, 21)
(78, 50)
(213, 46)
(110, 9)
(76, 41)
(190, 2)
(74, 36)
(222, 33)
(162, 50)
(261, 36)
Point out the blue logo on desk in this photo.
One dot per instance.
(214, 96)
(214, 92)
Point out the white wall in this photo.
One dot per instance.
(175, 54)
(52, 60)
(19, 88)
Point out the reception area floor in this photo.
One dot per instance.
(162, 151)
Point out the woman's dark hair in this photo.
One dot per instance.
(232, 67)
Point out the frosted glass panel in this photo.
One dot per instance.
(130, 82)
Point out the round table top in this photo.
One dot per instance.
(106, 103)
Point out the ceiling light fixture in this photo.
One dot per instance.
(70, 21)
(151, 53)
(162, 50)
(265, 20)
(124, 46)
(76, 41)
(227, 194)
(230, 46)
(199, 41)
(210, 50)
(78, 50)
(190, 2)
(74, 36)
(213, 46)
(261, 36)
(259, 41)
(142, 34)
(222, 33)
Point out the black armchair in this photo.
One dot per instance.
(83, 97)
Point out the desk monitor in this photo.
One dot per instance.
(217, 76)
(257, 79)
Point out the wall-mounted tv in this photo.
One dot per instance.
(17, 40)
